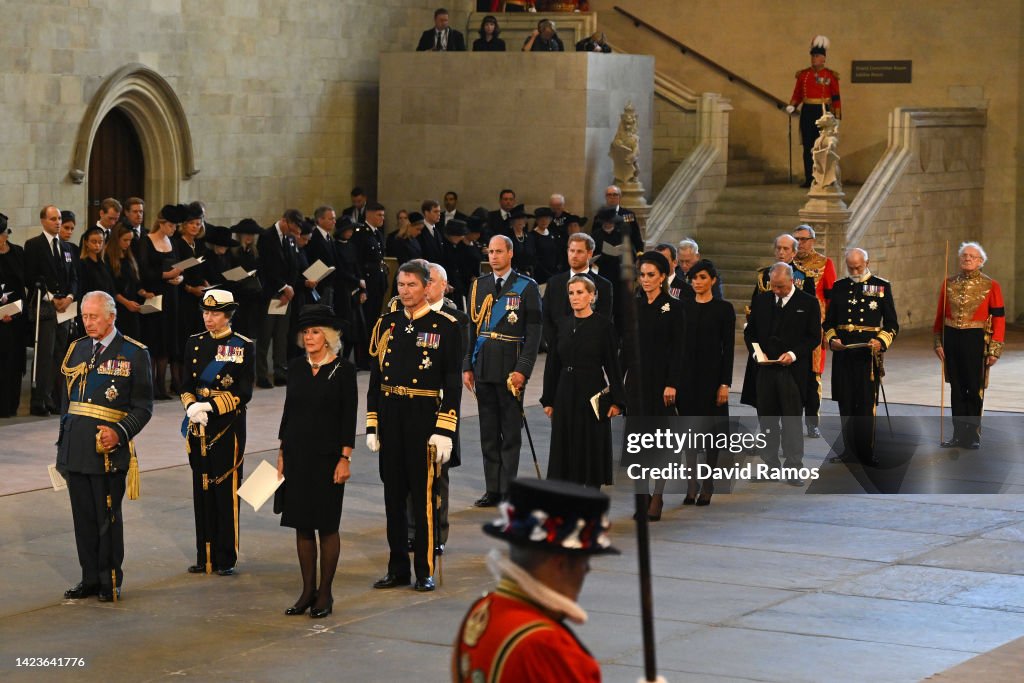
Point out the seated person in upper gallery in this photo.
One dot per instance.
(489, 40)
(544, 38)
(441, 38)
(594, 43)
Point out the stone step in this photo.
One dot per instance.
(743, 262)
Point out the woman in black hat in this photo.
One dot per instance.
(13, 328)
(188, 243)
(549, 249)
(129, 293)
(318, 431)
(524, 252)
(710, 339)
(489, 40)
(157, 274)
(585, 354)
(250, 313)
(661, 330)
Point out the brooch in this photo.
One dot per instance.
(666, 307)
(111, 393)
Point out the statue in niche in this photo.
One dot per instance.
(625, 148)
(825, 155)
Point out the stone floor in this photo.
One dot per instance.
(767, 584)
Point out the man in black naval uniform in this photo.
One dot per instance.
(505, 309)
(861, 311)
(412, 412)
(107, 402)
(368, 240)
(215, 390)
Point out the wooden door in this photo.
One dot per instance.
(116, 166)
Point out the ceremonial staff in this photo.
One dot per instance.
(110, 513)
(35, 343)
(942, 363)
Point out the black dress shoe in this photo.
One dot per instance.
(391, 581)
(301, 606)
(488, 500)
(106, 595)
(813, 432)
(424, 585)
(689, 500)
(321, 612)
(703, 499)
(264, 383)
(439, 549)
(227, 571)
(81, 591)
(197, 569)
(950, 443)
(972, 445)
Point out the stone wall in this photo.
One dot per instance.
(280, 97)
(675, 136)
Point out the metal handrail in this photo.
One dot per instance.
(687, 50)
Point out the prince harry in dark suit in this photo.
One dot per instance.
(556, 295)
(785, 323)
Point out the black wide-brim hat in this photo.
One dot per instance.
(456, 228)
(246, 226)
(607, 216)
(657, 259)
(320, 315)
(219, 236)
(519, 211)
(554, 516)
(174, 213)
(578, 220)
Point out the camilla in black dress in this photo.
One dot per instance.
(318, 430)
(582, 363)
(710, 341)
(661, 328)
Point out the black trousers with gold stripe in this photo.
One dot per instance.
(405, 424)
(216, 507)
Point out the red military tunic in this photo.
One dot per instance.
(508, 638)
(821, 268)
(972, 300)
(817, 88)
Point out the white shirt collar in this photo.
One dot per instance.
(106, 341)
(785, 299)
(585, 271)
(323, 233)
(438, 305)
(280, 233)
(503, 276)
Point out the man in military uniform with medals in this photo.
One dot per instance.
(215, 390)
(819, 268)
(412, 412)
(816, 92)
(517, 632)
(860, 325)
(505, 309)
(970, 329)
(108, 400)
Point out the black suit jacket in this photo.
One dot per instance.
(430, 245)
(458, 214)
(556, 302)
(456, 41)
(41, 268)
(320, 249)
(496, 224)
(799, 331)
(278, 263)
(357, 216)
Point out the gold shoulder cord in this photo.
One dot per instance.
(379, 346)
(484, 314)
(79, 373)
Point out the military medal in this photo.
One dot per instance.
(512, 304)
(426, 363)
(873, 305)
(513, 318)
(111, 393)
(227, 381)
(409, 329)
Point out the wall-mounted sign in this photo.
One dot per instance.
(881, 71)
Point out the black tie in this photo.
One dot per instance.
(498, 282)
(437, 40)
(56, 253)
(97, 349)
(778, 302)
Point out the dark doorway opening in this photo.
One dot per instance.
(116, 166)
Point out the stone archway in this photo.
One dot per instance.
(155, 111)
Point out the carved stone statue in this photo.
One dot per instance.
(825, 156)
(625, 148)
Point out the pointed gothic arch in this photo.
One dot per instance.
(155, 111)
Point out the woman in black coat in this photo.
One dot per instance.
(157, 274)
(489, 40)
(318, 431)
(710, 338)
(13, 328)
(661, 328)
(129, 293)
(582, 363)
(94, 274)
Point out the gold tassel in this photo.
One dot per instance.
(133, 477)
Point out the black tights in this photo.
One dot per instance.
(330, 551)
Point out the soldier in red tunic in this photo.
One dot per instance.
(516, 633)
(970, 328)
(816, 91)
(821, 268)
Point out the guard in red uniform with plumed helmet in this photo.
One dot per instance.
(517, 633)
(816, 91)
(970, 328)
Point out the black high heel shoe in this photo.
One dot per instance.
(301, 607)
(321, 612)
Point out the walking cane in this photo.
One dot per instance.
(942, 363)
(518, 395)
(35, 343)
(110, 513)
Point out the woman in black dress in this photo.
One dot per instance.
(188, 244)
(710, 338)
(582, 363)
(661, 328)
(489, 40)
(549, 249)
(249, 291)
(129, 293)
(524, 253)
(13, 328)
(94, 273)
(157, 274)
(318, 430)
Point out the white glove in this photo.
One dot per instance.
(443, 444)
(372, 442)
(790, 109)
(200, 419)
(198, 408)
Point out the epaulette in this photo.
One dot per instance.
(393, 304)
(197, 334)
(75, 341)
(136, 342)
(880, 278)
(448, 315)
(244, 338)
